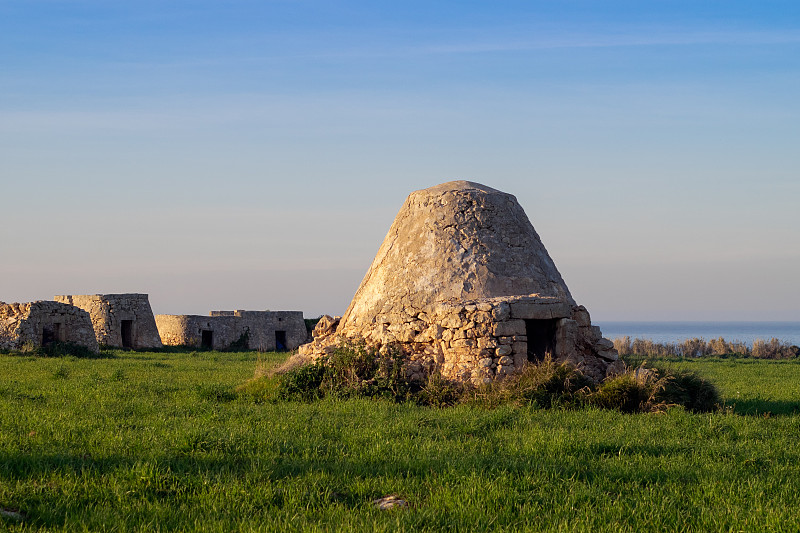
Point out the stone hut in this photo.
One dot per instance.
(119, 320)
(39, 323)
(462, 283)
(254, 330)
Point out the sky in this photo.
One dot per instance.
(253, 154)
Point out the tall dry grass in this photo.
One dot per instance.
(698, 347)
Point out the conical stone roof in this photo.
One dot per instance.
(458, 241)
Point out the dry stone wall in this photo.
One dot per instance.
(481, 340)
(36, 324)
(119, 320)
(256, 330)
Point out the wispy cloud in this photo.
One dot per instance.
(606, 40)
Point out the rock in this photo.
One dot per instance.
(503, 350)
(581, 316)
(610, 355)
(509, 327)
(389, 502)
(604, 344)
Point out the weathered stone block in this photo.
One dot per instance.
(464, 343)
(509, 327)
(501, 311)
(581, 316)
(503, 350)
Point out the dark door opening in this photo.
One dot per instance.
(541, 338)
(50, 333)
(127, 333)
(280, 341)
(207, 339)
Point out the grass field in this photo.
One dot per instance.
(160, 442)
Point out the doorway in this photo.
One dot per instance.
(280, 341)
(127, 333)
(207, 339)
(51, 333)
(541, 338)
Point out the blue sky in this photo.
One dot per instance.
(253, 154)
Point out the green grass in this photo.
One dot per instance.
(160, 442)
(749, 386)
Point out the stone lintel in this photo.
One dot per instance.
(540, 309)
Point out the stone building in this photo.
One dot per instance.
(39, 323)
(254, 330)
(462, 283)
(119, 320)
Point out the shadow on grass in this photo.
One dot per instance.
(60, 349)
(764, 408)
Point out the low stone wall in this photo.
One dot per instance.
(36, 323)
(261, 329)
(479, 341)
(119, 320)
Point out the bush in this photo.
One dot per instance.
(303, 383)
(648, 390)
(634, 391)
(440, 392)
(698, 347)
(357, 371)
(691, 391)
(545, 384)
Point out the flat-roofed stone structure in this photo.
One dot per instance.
(254, 330)
(462, 283)
(36, 324)
(119, 320)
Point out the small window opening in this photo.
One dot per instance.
(127, 333)
(541, 338)
(280, 341)
(207, 339)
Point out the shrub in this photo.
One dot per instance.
(302, 383)
(773, 349)
(698, 347)
(440, 392)
(647, 390)
(623, 345)
(633, 391)
(355, 370)
(545, 384)
(689, 390)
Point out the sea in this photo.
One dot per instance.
(669, 332)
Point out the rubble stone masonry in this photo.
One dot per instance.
(36, 324)
(119, 320)
(257, 330)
